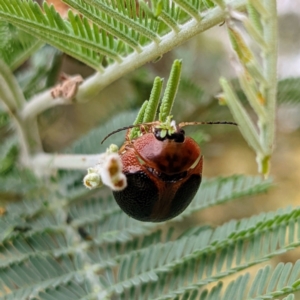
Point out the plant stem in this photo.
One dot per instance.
(40, 103)
(43, 161)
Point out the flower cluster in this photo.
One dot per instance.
(107, 171)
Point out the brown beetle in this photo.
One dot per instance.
(163, 170)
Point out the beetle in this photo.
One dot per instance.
(163, 168)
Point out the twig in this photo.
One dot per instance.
(42, 162)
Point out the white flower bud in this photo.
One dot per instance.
(92, 180)
(111, 173)
(108, 171)
(112, 149)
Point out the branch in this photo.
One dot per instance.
(93, 85)
(105, 168)
(44, 161)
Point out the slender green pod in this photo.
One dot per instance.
(151, 109)
(170, 92)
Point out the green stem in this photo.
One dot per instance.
(241, 116)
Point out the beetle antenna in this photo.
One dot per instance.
(118, 130)
(182, 124)
(125, 128)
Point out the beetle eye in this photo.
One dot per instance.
(178, 136)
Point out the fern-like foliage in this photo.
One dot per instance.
(41, 73)
(107, 32)
(267, 284)
(90, 143)
(79, 244)
(288, 91)
(197, 259)
(16, 46)
(119, 256)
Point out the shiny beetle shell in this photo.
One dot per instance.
(163, 175)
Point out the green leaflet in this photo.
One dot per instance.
(15, 45)
(153, 264)
(116, 31)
